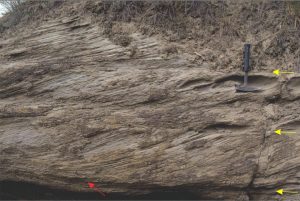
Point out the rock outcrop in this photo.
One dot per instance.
(136, 117)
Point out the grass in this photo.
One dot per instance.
(294, 11)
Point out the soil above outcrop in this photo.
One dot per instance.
(140, 99)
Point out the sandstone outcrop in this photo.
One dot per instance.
(137, 118)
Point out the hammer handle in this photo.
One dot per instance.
(246, 67)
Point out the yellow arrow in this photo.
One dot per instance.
(278, 72)
(279, 132)
(281, 192)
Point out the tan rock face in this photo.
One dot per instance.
(75, 107)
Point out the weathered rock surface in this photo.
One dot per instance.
(75, 107)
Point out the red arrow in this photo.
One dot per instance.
(92, 185)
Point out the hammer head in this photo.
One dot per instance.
(245, 89)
